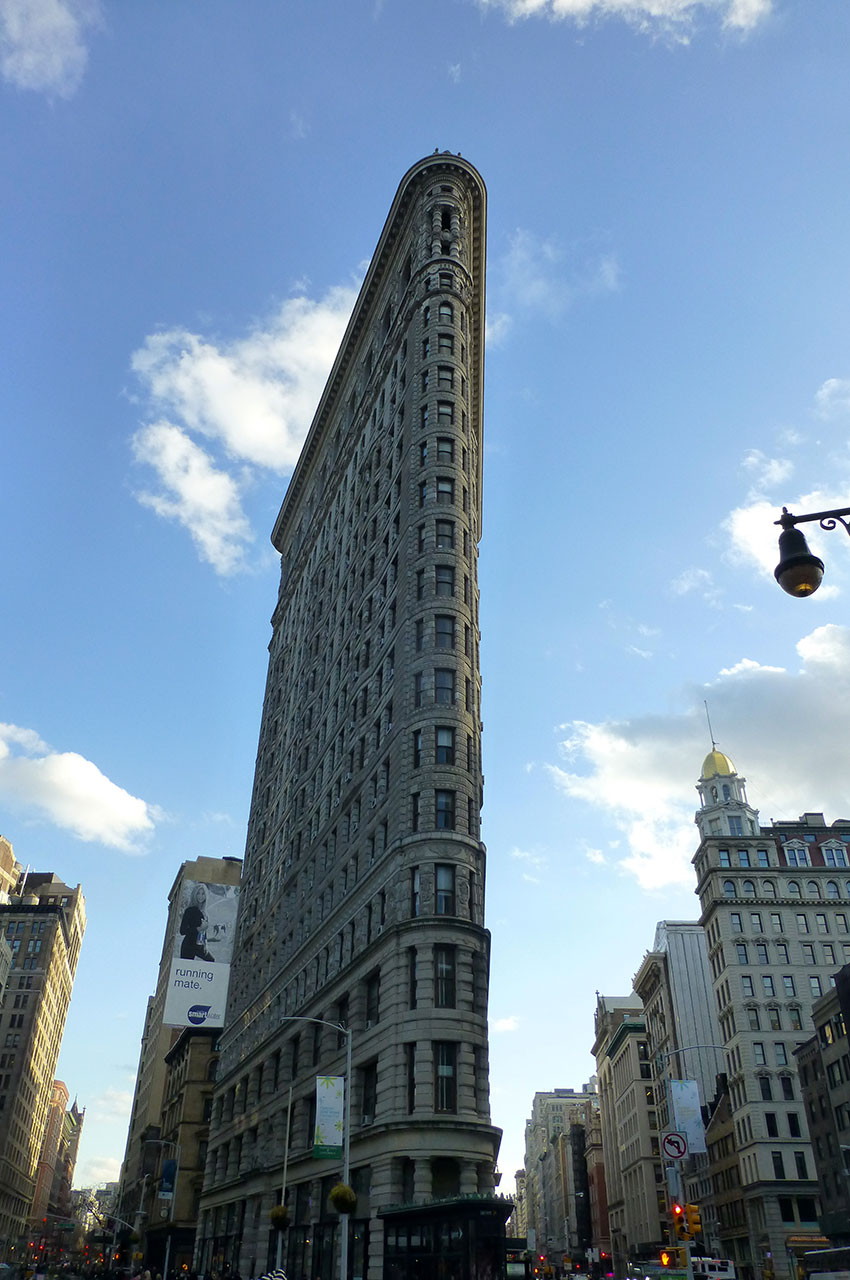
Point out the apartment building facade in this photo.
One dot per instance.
(775, 906)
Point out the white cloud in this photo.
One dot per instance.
(112, 1104)
(454, 72)
(497, 328)
(204, 500)
(699, 582)
(252, 399)
(42, 43)
(753, 534)
(596, 856)
(541, 275)
(641, 773)
(832, 399)
(672, 16)
(66, 789)
(96, 1170)
(769, 472)
(505, 1024)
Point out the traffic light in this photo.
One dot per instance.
(693, 1219)
(674, 1259)
(680, 1226)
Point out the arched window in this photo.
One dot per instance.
(768, 888)
(727, 794)
(812, 889)
(749, 889)
(794, 889)
(729, 889)
(832, 889)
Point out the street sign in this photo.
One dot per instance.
(674, 1146)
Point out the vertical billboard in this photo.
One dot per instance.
(687, 1116)
(330, 1101)
(201, 951)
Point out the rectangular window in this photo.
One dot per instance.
(418, 688)
(411, 977)
(420, 537)
(444, 631)
(736, 827)
(822, 926)
(420, 584)
(771, 1125)
(764, 1086)
(815, 986)
(444, 686)
(423, 493)
(808, 951)
(775, 1018)
(419, 635)
(737, 922)
(417, 748)
(800, 1164)
(445, 489)
(373, 999)
(445, 377)
(415, 892)
(802, 923)
(445, 449)
(723, 854)
(743, 858)
(778, 1165)
(445, 1076)
(787, 1088)
(776, 922)
(445, 539)
(446, 343)
(794, 1124)
(788, 985)
(758, 1054)
(755, 922)
(369, 1091)
(444, 745)
(767, 985)
(761, 953)
(763, 859)
(445, 887)
(444, 810)
(444, 580)
(444, 977)
(741, 951)
(410, 1074)
(747, 985)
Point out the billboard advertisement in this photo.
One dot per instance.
(201, 951)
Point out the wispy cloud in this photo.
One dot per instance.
(832, 399)
(540, 274)
(674, 17)
(206, 501)
(112, 1104)
(250, 400)
(454, 70)
(641, 772)
(767, 472)
(97, 1169)
(43, 43)
(505, 1024)
(69, 791)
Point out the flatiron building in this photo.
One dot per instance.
(363, 887)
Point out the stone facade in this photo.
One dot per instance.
(363, 894)
(43, 921)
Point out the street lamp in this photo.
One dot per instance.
(341, 1028)
(799, 572)
(175, 1146)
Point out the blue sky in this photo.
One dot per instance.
(190, 193)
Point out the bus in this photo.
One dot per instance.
(714, 1269)
(827, 1264)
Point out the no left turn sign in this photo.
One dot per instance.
(674, 1146)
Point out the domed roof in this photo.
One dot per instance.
(717, 763)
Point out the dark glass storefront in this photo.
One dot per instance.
(457, 1239)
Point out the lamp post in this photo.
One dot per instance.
(166, 1142)
(340, 1028)
(799, 572)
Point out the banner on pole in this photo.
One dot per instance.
(330, 1105)
(687, 1117)
(168, 1179)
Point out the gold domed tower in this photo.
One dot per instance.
(724, 809)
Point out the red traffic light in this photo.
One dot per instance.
(678, 1208)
